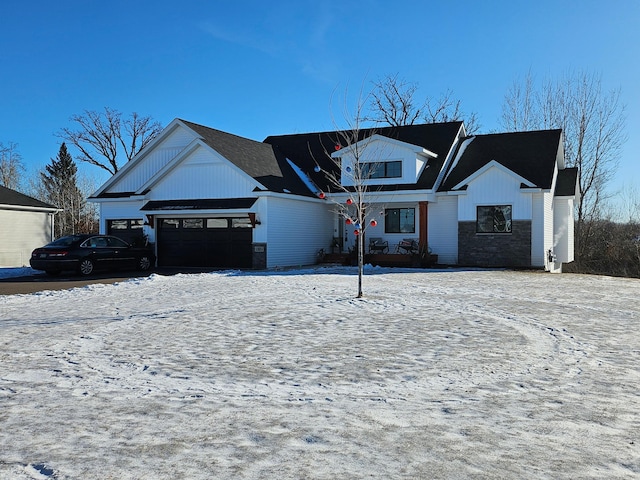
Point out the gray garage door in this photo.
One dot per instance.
(205, 242)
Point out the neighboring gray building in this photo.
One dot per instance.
(25, 224)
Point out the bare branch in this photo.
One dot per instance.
(101, 136)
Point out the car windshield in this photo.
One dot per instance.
(65, 241)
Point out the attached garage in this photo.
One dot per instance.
(205, 242)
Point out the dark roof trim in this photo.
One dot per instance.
(14, 198)
(200, 204)
(115, 195)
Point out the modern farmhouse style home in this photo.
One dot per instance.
(208, 198)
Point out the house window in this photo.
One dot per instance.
(400, 220)
(493, 219)
(382, 169)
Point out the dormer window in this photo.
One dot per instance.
(382, 169)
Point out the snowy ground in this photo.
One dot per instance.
(434, 374)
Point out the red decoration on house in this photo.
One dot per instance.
(356, 232)
(338, 147)
(373, 223)
(348, 221)
(349, 201)
(321, 195)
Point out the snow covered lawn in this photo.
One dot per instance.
(434, 374)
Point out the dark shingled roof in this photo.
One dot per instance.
(532, 155)
(567, 182)
(310, 149)
(257, 159)
(11, 197)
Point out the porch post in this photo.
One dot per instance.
(424, 218)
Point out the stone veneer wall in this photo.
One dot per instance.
(495, 250)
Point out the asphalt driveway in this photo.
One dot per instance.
(39, 282)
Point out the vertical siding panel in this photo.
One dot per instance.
(296, 230)
(443, 229)
(22, 232)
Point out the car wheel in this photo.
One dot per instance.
(53, 273)
(144, 263)
(85, 267)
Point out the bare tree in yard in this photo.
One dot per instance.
(593, 123)
(102, 138)
(393, 102)
(11, 166)
(349, 179)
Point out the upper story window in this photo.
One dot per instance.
(382, 169)
(493, 219)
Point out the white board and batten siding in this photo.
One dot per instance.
(563, 243)
(204, 174)
(541, 228)
(494, 187)
(296, 230)
(153, 161)
(22, 232)
(442, 229)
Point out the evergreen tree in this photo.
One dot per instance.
(61, 189)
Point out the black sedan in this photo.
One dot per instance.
(86, 253)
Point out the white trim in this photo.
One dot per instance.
(168, 130)
(28, 208)
(376, 136)
(488, 166)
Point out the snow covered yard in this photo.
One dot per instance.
(434, 374)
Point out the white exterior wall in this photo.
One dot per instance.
(494, 187)
(563, 224)
(541, 228)
(296, 230)
(123, 209)
(22, 232)
(378, 151)
(153, 161)
(442, 229)
(203, 175)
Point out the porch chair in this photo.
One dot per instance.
(408, 245)
(378, 245)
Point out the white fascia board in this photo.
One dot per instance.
(488, 166)
(289, 196)
(388, 197)
(142, 154)
(377, 137)
(27, 208)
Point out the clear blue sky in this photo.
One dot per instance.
(256, 68)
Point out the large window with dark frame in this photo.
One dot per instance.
(382, 169)
(493, 219)
(400, 220)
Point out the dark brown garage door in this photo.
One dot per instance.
(205, 242)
